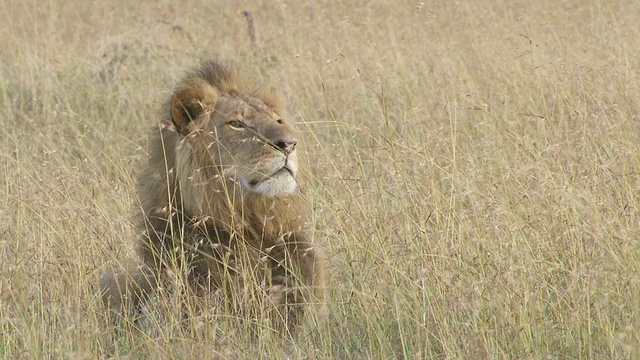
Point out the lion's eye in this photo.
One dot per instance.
(279, 121)
(236, 125)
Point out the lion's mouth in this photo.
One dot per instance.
(275, 175)
(280, 182)
(287, 169)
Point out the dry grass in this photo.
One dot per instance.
(476, 171)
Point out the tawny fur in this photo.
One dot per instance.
(221, 188)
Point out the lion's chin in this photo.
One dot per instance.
(280, 183)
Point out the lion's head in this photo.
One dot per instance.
(231, 137)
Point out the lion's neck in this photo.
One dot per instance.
(228, 207)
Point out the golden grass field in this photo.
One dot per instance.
(475, 171)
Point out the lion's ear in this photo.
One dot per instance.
(189, 103)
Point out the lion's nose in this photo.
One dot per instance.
(286, 145)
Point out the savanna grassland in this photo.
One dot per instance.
(475, 171)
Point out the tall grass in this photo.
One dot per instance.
(475, 168)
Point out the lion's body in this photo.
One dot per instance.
(221, 188)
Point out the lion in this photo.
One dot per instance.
(222, 192)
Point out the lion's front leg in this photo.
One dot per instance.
(125, 288)
(311, 261)
(300, 276)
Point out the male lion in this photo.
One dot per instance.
(220, 194)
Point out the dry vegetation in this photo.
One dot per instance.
(476, 171)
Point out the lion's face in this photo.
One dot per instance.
(256, 145)
(245, 140)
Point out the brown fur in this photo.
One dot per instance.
(216, 199)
